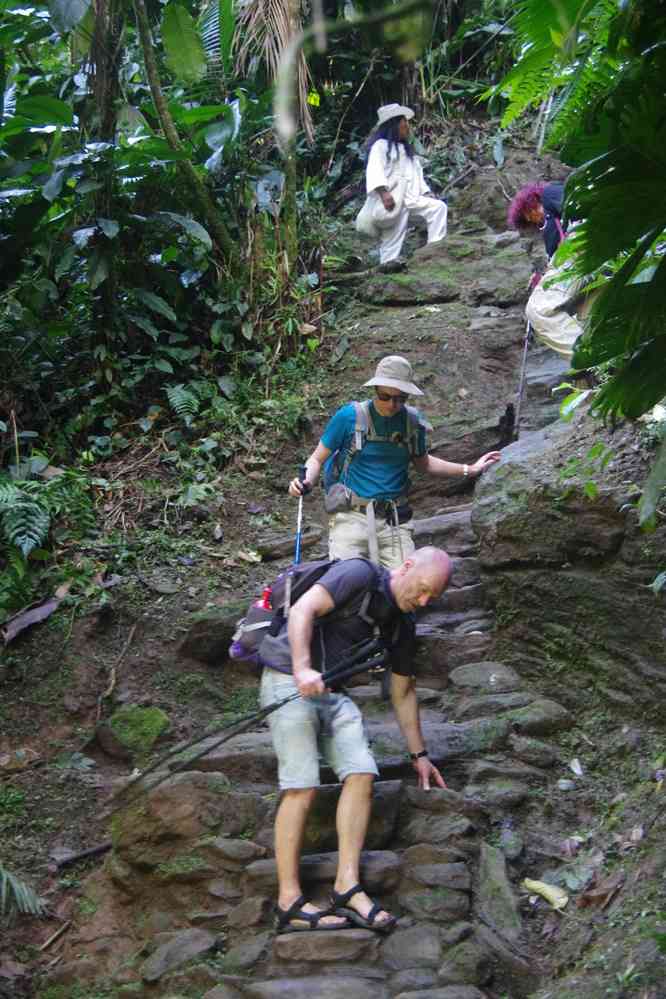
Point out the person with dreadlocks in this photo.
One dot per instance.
(551, 306)
(396, 188)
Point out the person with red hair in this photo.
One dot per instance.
(551, 306)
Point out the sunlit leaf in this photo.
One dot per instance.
(44, 110)
(184, 52)
(196, 116)
(656, 480)
(81, 237)
(221, 132)
(109, 227)
(66, 14)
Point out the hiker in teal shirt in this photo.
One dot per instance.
(366, 451)
(380, 470)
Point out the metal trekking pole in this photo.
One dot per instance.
(302, 472)
(521, 383)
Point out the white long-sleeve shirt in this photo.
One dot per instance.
(396, 170)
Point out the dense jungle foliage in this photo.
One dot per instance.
(167, 263)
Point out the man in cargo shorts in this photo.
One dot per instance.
(330, 722)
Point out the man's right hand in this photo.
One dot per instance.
(388, 201)
(298, 488)
(309, 683)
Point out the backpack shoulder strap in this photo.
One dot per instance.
(415, 423)
(358, 438)
(362, 424)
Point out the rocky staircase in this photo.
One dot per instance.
(445, 861)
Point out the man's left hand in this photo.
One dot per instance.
(428, 772)
(484, 462)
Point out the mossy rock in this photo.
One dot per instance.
(132, 731)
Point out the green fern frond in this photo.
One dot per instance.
(528, 83)
(580, 103)
(9, 494)
(551, 32)
(183, 402)
(16, 563)
(17, 896)
(26, 525)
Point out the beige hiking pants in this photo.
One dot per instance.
(348, 538)
(547, 312)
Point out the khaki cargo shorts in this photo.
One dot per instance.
(307, 730)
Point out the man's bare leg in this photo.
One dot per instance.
(352, 821)
(289, 830)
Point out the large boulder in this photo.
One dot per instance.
(567, 569)
(161, 831)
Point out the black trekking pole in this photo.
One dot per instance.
(302, 473)
(521, 383)
(369, 656)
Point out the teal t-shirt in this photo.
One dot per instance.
(380, 470)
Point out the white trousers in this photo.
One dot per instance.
(431, 209)
(546, 310)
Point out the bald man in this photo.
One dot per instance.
(320, 721)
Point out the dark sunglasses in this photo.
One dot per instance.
(398, 399)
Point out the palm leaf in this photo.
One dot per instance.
(17, 896)
(639, 385)
(218, 23)
(264, 29)
(629, 308)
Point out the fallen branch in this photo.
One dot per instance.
(93, 851)
(56, 936)
(112, 676)
(456, 180)
(349, 278)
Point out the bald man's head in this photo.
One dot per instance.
(422, 577)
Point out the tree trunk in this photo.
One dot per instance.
(105, 52)
(211, 215)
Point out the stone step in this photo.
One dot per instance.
(369, 697)
(318, 948)
(380, 871)
(311, 986)
(457, 600)
(252, 753)
(440, 652)
(466, 572)
(483, 706)
(451, 531)
(436, 617)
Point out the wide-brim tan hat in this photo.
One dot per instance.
(388, 111)
(395, 372)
